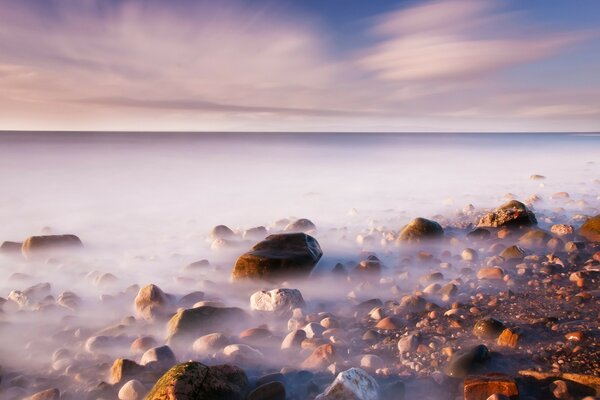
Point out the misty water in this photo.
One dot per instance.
(144, 204)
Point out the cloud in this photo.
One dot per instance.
(455, 39)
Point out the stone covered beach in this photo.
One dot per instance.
(480, 304)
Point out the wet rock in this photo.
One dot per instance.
(193, 380)
(420, 230)
(49, 394)
(276, 300)
(467, 361)
(222, 232)
(159, 358)
(40, 246)
(535, 238)
(480, 387)
(268, 391)
(320, 358)
(591, 229)
(132, 390)
(488, 328)
(151, 303)
(509, 338)
(197, 321)
(301, 225)
(210, 344)
(511, 214)
(278, 257)
(123, 369)
(513, 253)
(354, 384)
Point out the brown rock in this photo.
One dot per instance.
(591, 229)
(151, 302)
(49, 394)
(508, 338)
(194, 322)
(576, 336)
(123, 369)
(490, 273)
(420, 230)
(39, 246)
(389, 323)
(269, 391)
(320, 358)
(512, 214)
(480, 387)
(278, 257)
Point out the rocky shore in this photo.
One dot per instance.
(483, 304)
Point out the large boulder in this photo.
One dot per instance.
(512, 214)
(194, 381)
(420, 230)
(276, 300)
(194, 322)
(40, 246)
(151, 302)
(353, 384)
(278, 257)
(591, 229)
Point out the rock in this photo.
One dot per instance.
(190, 299)
(123, 368)
(591, 229)
(371, 362)
(469, 255)
(242, 354)
(320, 358)
(490, 273)
(268, 391)
(512, 253)
(132, 390)
(389, 323)
(221, 232)
(313, 330)
(508, 338)
(49, 394)
(301, 225)
(197, 266)
(408, 343)
(209, 344)
(277, 300)
(420, 230)
(488, 328)
(535, 238)
(352, 384)
(480, 387)
(19, 298)
(142, 344)
(151, 303)
(280, 256)
(159, 358)
(69, 300)
(479, 234)
(259, 232)
(393, 391)
(193, 381)
(11, 248)
(512, 214)
(560, 390)
(197, 321)
(562, 229)
(293, 340)
(466, 361)
(537, 177)
(40, 246)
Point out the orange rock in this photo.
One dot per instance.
(490, 273)
(320, 358)
(508, 338)
(480, 387)
(574, 336)
(389, 323)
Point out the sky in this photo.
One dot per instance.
(302, 65)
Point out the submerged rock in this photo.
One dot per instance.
(49, 394)
(35, 246)
(197, 321)
(419, 230)
(276, 300)
(11, 248)
(278, 257)
(222, 232)
(193, 381)
(352, 384)
(511, 214)
(591, 229)
(465, 361)
(535, 238)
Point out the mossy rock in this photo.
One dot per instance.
(591, 229)
(513, 214)
(195, 381)
(421, 230)
(278, 257)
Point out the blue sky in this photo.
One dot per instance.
(310, 65)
